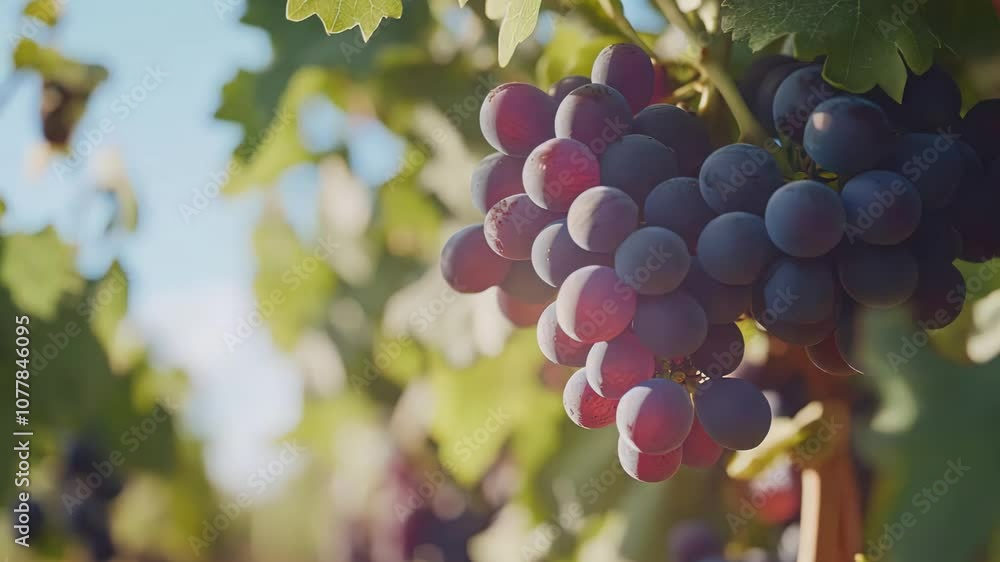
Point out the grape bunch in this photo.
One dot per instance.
(615, 226)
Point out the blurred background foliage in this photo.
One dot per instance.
(416, 424)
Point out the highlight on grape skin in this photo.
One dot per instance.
(496, 177)
(626, 68)
(556, 345)
(585, 407)
(648, 467)
(601, 218)
(615, 366)
(512, 225)
(655, 416)
(594, 305)
(557, 171)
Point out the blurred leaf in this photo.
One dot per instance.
(45, 11)
(294, 283)
(106, 310)
(865, 42)
(338, 15)
(929, 442)
(79, 77)
(410, 218)
(38, 269)
(968, 27)
(518, 24)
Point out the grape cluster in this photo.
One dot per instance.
(613, 225)
(695, 541)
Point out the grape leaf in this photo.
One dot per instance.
(39, 269)
(865, 42)
(338, 15)
(518, 23)
(940, 480)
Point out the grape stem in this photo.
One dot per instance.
(750, 130)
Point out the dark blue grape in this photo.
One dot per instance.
(517, 117)
(847, 135)
(677, 205)
(601, 218)
(800, 291)
(564, 86)
(935, 241)
(933, 163)
(939, 297)
(628, 69)
(734, 248)
(877, 276)
(722, 303)
(683, 132)
(797, 97)
(733, 412)
(805, 219)
(554, 255)
(739, 177)
(652, 260)
(636, 164)
(769, 318)
(755, 72)
(722, 351)
(763, 99)
(594, 114)
(981, 128)
(672, 325)
(882, 208)
(974, 209)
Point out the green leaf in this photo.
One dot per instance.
(38, 269)
(865, 41)
(518, 23)
(338, 16)
(294, 282)
(45, 11)
(929, 429)
(80, 77)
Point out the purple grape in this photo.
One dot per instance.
(584, 406)
(614, 367)
(520, 313)
(722, 351)
(652, 260)
(677, 205)
(981, 128)
(636, 164)
(935, 241)
(554, 255)
(594, 114)
(931, 101)
(594, 304)
(655, 416)
(693, 541)
(847, 135)
(877, 276)
(524, 284)
(699, 449)
(734, 248)
(939, 297)
(826, 356)
(557, 171)
(763, 97)
(800, 291)
(556, 345)
(881, 208)
(672, 325)
(628, 69)
(517, 117)
(512, 225)
(683, 132)
(497, 176)
(601, 218)
(722, 303)
(733, 412)
(739, 177)
(564, 86)
(648, 467)
(468, 264)
(805, 219)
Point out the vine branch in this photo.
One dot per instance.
(750, 130)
